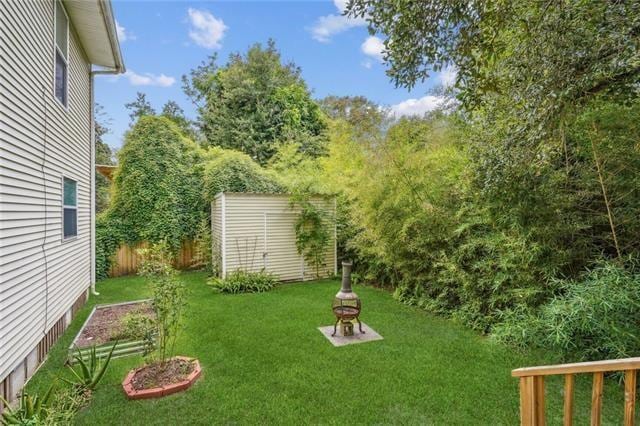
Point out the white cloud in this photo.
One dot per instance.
(373, 47)
(123, 34)
(330, 25)
(148, 79)
(367, 64)
(447, 76)
(418, 106)
(206, 30)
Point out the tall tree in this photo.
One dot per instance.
(365, 116)
(139, 107)
(175, 113)
(254, 103)
(512, 50)
(104, 155)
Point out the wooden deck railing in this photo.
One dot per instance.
(532, 389)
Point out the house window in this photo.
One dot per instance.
(61, 54)
(69, 208)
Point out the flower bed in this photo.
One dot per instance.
(104, 327)
(153, 381)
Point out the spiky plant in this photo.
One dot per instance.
(31, 411)
(91, 371)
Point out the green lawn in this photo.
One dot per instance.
(264, 361)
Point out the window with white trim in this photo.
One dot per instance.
(61, 54)
(69, 208)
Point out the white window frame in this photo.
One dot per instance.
(64, 206)
(57, 51)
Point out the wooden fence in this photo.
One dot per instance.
(126, 259)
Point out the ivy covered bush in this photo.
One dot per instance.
(157, 191)
(157, 188)
(244, 282)
(233, 171)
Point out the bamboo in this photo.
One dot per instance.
(604, 194)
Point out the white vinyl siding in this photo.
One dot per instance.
(61, 51)
(258, 233)
(40, 142)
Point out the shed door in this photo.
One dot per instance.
(282, 258)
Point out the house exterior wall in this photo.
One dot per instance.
(41, 141)
(258, 233)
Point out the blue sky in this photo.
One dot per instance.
(163, 40)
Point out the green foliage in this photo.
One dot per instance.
(243, 282)
(255, 102)
(90, 372)
(109, 235)
(173, 112)
(140, 107)
(32, 410)
(511, 49)
(312, 232)
(232, 171)
(204, 248)
(595, 318)
(168, 299)
(158, 185)
(64, 405)
(104, 156)
(139, 326)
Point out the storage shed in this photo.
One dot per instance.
(252, 232)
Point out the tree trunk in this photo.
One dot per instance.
(604, 192)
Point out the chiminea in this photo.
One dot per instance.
(346, 305)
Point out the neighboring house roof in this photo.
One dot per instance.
(106, 170)
(96, 27)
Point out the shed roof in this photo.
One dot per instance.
(96, 27)
(106, 170)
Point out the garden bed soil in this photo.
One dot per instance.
(156, 375)
(105, 324)
(155, 380)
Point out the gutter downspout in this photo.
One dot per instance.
(92, 209)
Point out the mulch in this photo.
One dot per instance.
(157, 375)
(106, 323)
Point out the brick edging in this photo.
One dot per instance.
(158, 392)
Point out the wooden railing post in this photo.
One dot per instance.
(539, 400)
(596, 399)
(532, 401)
(629, 397)
(567, 418)
(527, 404)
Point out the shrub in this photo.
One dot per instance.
(234, 171)
(595, 318)
(108, 239)
(157, 189)
(244, 282)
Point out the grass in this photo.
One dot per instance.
(264, 361)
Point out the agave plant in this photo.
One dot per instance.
(31, 411)
(91, 371)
